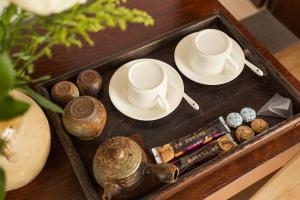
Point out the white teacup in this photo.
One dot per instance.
(147, 84)
(211, 48)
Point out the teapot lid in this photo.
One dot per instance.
(118, 157)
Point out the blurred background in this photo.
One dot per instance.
(275, 23)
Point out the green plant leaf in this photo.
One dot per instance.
(7, 75)
(10, 108)
(21, 80)
(42, 78)
(21, 55)
(2, 35)
(44, 102)
(2, 184)
(9, 13)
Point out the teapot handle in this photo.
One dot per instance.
(165, 172)
(110, 189)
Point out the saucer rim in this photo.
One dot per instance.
(162, 114)
(186, 70)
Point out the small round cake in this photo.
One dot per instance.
(259, 125)
(248, 114)
(63, 92)
(234, 120)
(244, 133)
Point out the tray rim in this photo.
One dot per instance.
(209, 167)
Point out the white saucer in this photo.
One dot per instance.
(228, 74)
(117, 93)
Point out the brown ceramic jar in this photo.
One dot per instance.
(120, 163)
(63, 92)
(85, 117)
(89, 82)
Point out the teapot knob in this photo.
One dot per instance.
(117, 154)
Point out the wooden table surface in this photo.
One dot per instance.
(286, 182)
(58, 181)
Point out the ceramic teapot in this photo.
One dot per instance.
(120, 163)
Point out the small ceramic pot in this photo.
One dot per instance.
(85, 117)
(63, 92)
(120, 164)
(89, 82)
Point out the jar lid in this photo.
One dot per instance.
(118, 157)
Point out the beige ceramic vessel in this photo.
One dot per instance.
(29, 144)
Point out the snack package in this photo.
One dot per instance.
(211, 150)
(181, 146)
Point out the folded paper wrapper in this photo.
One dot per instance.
(277, 106)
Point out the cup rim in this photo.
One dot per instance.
(129, 80)
(199, 51)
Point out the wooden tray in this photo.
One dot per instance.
(214, 101)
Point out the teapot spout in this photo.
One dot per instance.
(165, 172)
(110, 189)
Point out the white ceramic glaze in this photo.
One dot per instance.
(118, 93)
(30, 144)
(147, 85)
(255, 69)
(209, 52)
(191, 101)
(232, 68)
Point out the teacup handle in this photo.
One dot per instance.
(231, 61)
(164, 102)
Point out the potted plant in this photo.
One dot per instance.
(28, 31)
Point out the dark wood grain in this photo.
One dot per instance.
(57, 181)
(287, 12)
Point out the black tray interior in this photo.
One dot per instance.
(246, 90)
